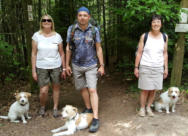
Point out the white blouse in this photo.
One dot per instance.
(48, 56)
(153, 52)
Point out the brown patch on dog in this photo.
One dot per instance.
(72, 111)
(89, 118)
(169, 92)
(78, 121)
(17, 95)
(27, 94)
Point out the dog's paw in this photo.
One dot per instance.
(54, 131)
(173, 110)
(167, 112)
(29, 117)
(160, 111)
(15, 121)
(24, 122)
(55, 135)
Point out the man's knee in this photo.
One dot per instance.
(92, 91)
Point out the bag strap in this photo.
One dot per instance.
(72, 31)
(164, 37)
(145, 38)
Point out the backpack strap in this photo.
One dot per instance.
(164, 37)
(72, 47)
(93, 33)
(145, 38)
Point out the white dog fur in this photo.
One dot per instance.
(168, 99)
(19, 109)
(74, 121)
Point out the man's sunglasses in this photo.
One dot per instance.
(48, 20)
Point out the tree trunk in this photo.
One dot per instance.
(105, 38)
(178, 61)
(28, 26)
(176, 74)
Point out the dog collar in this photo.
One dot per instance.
(74, 116)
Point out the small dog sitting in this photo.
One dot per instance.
(74, 121)
(19, 109)
(168, 99)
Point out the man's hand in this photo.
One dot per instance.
(68, 70)
(101, 70)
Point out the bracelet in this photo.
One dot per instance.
(135, 67)
(102, 65)
(64, 69)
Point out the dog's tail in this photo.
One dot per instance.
(4, 117)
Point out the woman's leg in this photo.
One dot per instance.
(56, 91)
(151, 97)
(143, 98)
(43, 95)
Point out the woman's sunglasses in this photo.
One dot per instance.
(48, 20)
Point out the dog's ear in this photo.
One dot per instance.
(17, 95)
(28, 94)
(75, 109)
(169, 91)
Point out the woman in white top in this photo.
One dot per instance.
(48, 63)
(151, 64)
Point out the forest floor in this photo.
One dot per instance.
(117, 111)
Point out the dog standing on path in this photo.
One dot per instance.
(19, 109)
(74, 121)
(168, 99)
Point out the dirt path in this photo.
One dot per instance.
(117, 115)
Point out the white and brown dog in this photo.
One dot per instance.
(74, 121)
(19, 109)
(168, 99)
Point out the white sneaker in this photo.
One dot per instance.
(149, 112)
(142, 112)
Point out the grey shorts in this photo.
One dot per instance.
(150, 78)
(47, 75)
(85, 77)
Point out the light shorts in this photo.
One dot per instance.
(150, 78)
(85, 77)
(47, 75)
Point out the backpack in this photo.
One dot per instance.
(145, 39)
(92, 22)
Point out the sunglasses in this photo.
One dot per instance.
(48, 20)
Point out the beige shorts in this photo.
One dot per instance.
(85, 77)
(47, 75)
(150, 78)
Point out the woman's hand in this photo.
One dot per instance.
(165, 73)
(136, 72)
(63, 74)
(34, 75)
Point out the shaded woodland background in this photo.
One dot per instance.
(121, 24)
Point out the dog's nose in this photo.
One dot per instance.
(22, 100)
(173, 96)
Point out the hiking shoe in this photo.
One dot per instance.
(55, 113)
(142, 112)
(94, 126)
(42, 111)
(149, 112)
(87, 110)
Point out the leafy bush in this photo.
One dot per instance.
(137, 16)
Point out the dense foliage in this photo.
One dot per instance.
(121, 21)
